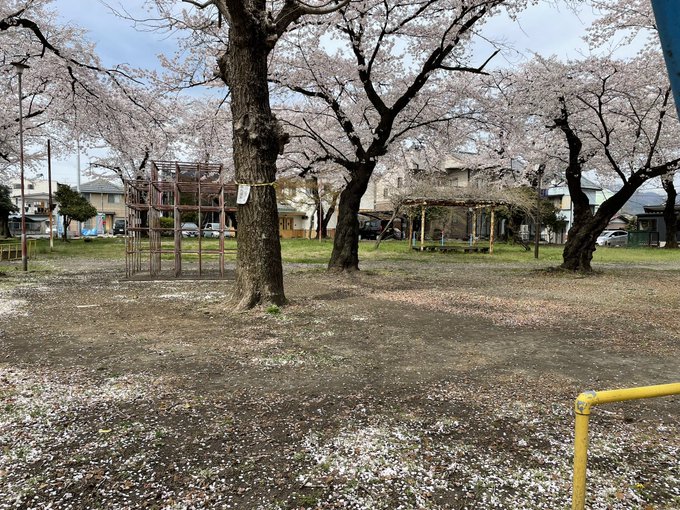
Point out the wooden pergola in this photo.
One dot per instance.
(470, 203)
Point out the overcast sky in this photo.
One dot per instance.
(541, 29)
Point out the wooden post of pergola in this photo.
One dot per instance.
(492, 231)
(422, 227)
(474, 226)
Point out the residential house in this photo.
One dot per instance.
(293, 224)
(36, 203)
(558, 194)
(108, 199)
(652, 221)
(298, 214)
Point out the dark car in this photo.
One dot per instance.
(369, 228)
(119, 228)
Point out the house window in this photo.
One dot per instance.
(114, 199)
(86, 196)
(399, 182)
(386, 193)
(16, 186)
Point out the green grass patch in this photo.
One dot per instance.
(304, 251)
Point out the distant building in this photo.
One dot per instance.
(559, 195)
(108, 199)
(36, 203)
(652, 220)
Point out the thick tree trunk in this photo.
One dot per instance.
(345, 255)
(669, 215)
(581, 243)
(257, 141)
(582, 237)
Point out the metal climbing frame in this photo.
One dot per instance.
(173, 189)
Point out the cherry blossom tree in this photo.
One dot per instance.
(205, 131)
(239, 36)
(613, 117)
(635, 19)
(394, 67)
(137, 134)
(68, 94)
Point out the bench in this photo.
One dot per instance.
(453, 249)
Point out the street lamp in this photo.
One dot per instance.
(20, 66)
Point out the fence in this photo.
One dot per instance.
(643, 238)
(12, 251)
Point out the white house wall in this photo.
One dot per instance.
(368, 200)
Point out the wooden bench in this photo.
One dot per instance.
(453, 249)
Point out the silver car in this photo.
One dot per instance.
(189, 230)
(613, 238)
(211, 230)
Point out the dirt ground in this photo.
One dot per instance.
(406, 386)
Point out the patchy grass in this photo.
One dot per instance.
(303, 251)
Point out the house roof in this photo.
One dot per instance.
(36, 196)
(101, 186)
(288, 210)
(561, 187)
(659, 208)
(588, 184)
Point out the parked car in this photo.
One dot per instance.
(119, 227)
(369, 228)
(189, 230)
(613, 238)
(211, 230)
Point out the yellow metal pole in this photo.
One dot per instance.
(578, 500)
(584, 402)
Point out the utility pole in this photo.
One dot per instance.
(20, 67)
(49, 190)
(80, 225)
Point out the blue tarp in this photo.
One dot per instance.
(667, 14)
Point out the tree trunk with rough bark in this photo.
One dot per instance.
(582, 237)
(257, 141)
(581, 243)
(345, 255)
(669, 215)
